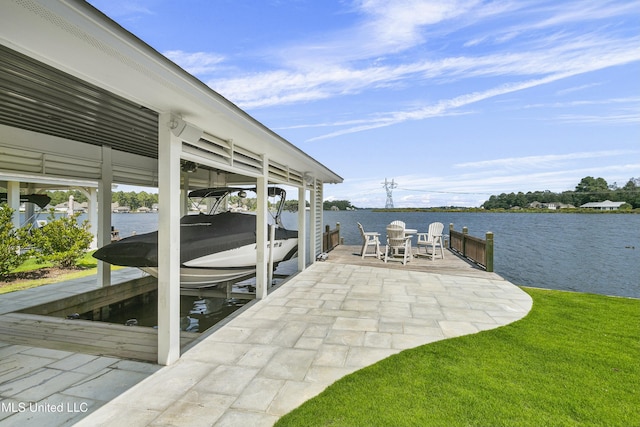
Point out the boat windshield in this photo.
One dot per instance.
(213, 201)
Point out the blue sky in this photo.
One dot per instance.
(454, 100)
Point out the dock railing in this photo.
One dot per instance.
(473, 248)
(330, 238)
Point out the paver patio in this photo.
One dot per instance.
(326, 322)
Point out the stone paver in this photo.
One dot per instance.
(326, 322)
(57, 388)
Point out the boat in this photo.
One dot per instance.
(216, 247)
(40, 200)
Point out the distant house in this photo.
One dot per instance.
(116, 208)
(121, 209)
(550, 206)
(565, 206)
(62, 207)
(144, 209)
(607, 205)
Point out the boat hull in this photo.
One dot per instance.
(231, 265)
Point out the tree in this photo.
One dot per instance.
(147, 199)
(629, 193)
(592, 189)
(62, 241)
(58, 197)
(292, 205)
(340, 204)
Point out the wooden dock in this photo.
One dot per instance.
(84, 336)
(452, 264)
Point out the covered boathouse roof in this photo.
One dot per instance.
(70, 72)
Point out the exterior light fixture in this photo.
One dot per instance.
(307, 178)
(183, 130)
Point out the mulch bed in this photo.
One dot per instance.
(41, 273)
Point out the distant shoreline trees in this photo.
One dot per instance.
(589, 189)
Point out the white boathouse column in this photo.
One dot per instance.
(313, 219)
(103, 223)
(169, 149)
(29, 208)
(261, 231)
(92, 216)
(319, 230)
(302, 228)
(13, 200)
(184, 194)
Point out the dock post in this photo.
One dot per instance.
(465, 233)
(489, 251)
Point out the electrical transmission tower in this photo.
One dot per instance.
(389, 186)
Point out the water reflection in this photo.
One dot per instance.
(196, 314)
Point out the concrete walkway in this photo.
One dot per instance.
(326, 322)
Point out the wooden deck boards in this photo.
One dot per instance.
(451, 264)
(83, 336)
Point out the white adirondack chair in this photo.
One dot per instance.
(398, 244)
(400, 223)
(430, 241)
(369, 239)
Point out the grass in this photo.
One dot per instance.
(574, 360)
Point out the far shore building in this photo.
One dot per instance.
(550, 206)
(607, 205)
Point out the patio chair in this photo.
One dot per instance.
(431, 240)
(398, 245)
(369, 239)
(400, 223)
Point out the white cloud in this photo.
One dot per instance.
(610, 118)
(544, 161)
(397, 25)
(577, 88)
(292, 86)
(441, 108)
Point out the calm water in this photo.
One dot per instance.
(587, 253)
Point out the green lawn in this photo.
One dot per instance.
(574, 360)
(87, 265)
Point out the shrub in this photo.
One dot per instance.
(10, 256)
(62, 241)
